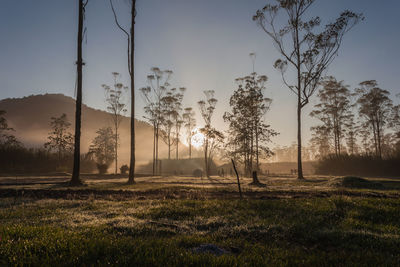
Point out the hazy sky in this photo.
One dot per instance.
(206, 43)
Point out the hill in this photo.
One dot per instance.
(30, 117)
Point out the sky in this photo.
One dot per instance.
(205, 43)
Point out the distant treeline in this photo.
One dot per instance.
(359, 165)
(18, 160)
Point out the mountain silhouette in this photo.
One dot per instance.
(30, 118)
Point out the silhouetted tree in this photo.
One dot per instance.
(158, 86)
(334, 110)
(308, 52)
(248, 131)
(6, 138)
(117, 108)
(171, 120)
(103, 148)
(167, 119)
(189, 123)
(178, 120)
(212, 137)
(352, 132)
(60, 139)
(131, 68)
(321, 141)
(75, 179)
(375, 108)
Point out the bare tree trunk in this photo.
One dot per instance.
(379, 139)
(116, 148)
(299, 160)
(257, 156)
(75, 179)
(131, 179)
(177, 146)
(169, 145)
(157, 136)
(206, 157)
(154, 148)
(190, 148)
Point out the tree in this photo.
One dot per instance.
(248, 131)
(334, 110)
(189, 123)
(117, 108)
(153, 94)
(178, 120)
(103, 148)
(75, 179)
(6, 139)
(131, 68)
(351, 136)
(308, 52)
(171, 119)
(212, 137)
(321, 141)
(60, 139)
(375, 108)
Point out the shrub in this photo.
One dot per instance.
(102, 168)
(124, 169)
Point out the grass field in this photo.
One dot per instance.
(162, 221)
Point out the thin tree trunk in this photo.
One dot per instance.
(157, 136)
(116, 148)
(131, 179)
(177, 145)
(299, 105)
(190, 147)
(299, 161)
(206, 158)
(257, 156)
(75, 179)
(238, 181)
(379, 140)
(154, 148)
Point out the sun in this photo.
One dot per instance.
(197, 138)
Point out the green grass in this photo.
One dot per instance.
(309, 231)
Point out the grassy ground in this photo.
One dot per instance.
(286, 223)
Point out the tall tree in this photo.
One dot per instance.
(153, 94)
(321, 141)
(60, 139)
(308, 52)
(75, 179)
(117, 108)
(334, 110)
(212, 137)
(131, 68)
(248, 131)
(352, 132)
(178, 120)
(189, 123)
(375, 108)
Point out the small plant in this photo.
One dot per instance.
(124, 169)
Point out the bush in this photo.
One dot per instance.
(358, 165)
(22, 160)
(355, 182)
(197, 173)
(102, 168)
(124, 169)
